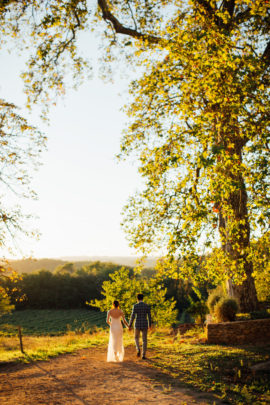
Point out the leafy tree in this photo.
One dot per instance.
(199, 120)
(198, 310)
(67, 268)
(200, 128)
(125, 289)
(5, 305)
(20, 147)
(66, 287)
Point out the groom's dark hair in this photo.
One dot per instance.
(140, 297)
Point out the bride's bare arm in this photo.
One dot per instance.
(124, 319)
(108, 318)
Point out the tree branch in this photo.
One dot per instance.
(229, 5)
(266, 54)
(242, 16)
(210, 12)
(121, 29)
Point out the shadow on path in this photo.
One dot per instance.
(85, 378)
(62, 383)
(163, 381)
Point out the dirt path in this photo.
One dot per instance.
(86, 378)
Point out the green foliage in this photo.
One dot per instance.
(198, 310)
(199, 120)
(52, 32)
(221, 370)
(20, 145)
(180, 290)
(185, 318)
(67, 268)
(5, 305)
(66, 287)
(70, 285)
(125, 289)
(196, 135)
(261, 265)
(225, 310)
(120, 287)
(214, 297)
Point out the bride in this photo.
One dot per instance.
(115, 347)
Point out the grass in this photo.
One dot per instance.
(48, 333)
(44, 347)
(222, 370)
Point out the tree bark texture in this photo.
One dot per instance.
(244, 293)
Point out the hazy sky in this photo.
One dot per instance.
(81, 186)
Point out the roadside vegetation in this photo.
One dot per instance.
(187, 359)
(223, 370)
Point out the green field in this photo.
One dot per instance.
(51, 322)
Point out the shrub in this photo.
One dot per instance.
(185, 318)
(214, 297)
(198, 310)
(225, 310)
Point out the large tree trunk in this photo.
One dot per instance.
(245, 293)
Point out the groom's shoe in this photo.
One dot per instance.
(138, 354)
(143, 357)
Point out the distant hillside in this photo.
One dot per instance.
(30, 265)
(124, 260)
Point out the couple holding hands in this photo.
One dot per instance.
(141, 312)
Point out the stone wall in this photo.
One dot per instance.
(240, 332)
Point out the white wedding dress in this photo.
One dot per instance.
(115, 347)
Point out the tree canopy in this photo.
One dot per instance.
(20, 147)
(125, 289)
(199, 122)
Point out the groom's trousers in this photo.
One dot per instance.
(144, 339)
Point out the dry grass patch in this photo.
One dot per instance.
(43, 347)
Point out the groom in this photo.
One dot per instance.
(141, 311)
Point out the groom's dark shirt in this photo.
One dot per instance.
(141, 311)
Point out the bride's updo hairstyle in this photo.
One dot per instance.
(116, 304)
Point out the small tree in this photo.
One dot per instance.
(125, 289)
